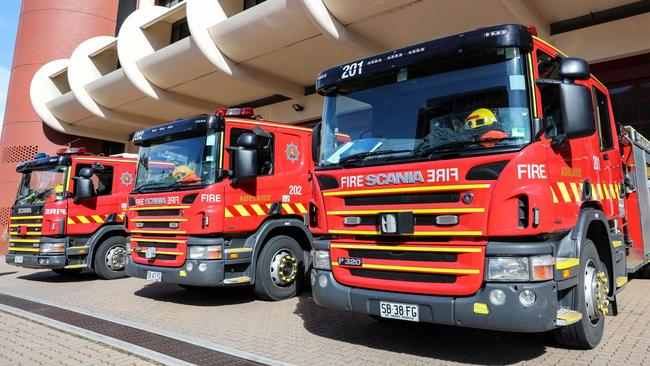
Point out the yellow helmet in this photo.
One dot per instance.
(479, 118)
(58, 189)
(182, 172)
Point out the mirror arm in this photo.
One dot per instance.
(547, 81)
(558, 140)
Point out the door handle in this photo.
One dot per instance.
(606, 157)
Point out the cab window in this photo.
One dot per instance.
(102, 180)
(602, 118)
(548, 67)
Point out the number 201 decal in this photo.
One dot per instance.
(351, 70)
(295, 190)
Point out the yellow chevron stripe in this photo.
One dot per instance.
(553, 193)
(98, 219)
(612, 188)
(576, 192)
(564, 192)
(258, 210)
(606, 189)
(287, 207)
(70, 221)
(594, 193)
(242, 210)
(226, 212)
(83, 219)
(301, 208)
(268, 205)
(600, 191)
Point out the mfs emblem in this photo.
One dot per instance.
(126, 178)
(292, 152)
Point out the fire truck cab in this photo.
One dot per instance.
(222, 200)
(484, 184)
(69, 211)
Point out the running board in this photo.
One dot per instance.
(567, 317)
(236, 280)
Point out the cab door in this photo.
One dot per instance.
(87, 215)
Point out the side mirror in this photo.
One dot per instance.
(244, 161)
(315, 142)
(83, 189)
(574, 69)
(577, 111)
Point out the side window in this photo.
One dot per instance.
(548, 68)
(102, 180)
(265, 155)
(604, 124)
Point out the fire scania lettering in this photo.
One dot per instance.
(412, 177)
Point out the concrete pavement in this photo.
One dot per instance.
(298, 331)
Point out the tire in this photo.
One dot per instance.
(67, 272)
(101, 265)
(270, 283)
(587, 333)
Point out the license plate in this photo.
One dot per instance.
(154, 276)
(18, 259)
(396, 310)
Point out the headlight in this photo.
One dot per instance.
(508, 269)
(52, 247)
(321, 259)
(204, 252)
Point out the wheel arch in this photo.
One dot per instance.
(593, 225)
(99, 236)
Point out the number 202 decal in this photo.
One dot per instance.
(351, 70)
(295, 190)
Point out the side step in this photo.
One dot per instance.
(237, 280)
(73, 266)
(567, 317)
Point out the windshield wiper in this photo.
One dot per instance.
(363, 155)
(149, 185)
(461, 143)
(185, 183)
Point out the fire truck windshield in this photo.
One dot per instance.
(476, 102)
(178, 164)
(42, 186)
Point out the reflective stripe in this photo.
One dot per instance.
(242, 210)
(25, 225)
(97, 218)
(400, 248)
(301, 208)
(157, 208)
(83, 219)
(576, 192)
(287, 207)
(258, 210)
(458, 271)
(226, 212)
(606, 191)
(564, 263)
(154, 240)
(24, 240)
(25, 217)
(594, 193)
(14, 249)
(158, 231)
(600, 191)
(417, 233)
(415, 211)
(553, 193)
(564, 192)
(70, 220)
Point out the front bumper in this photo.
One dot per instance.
(460, 311)
(37, 261)
(212, 276)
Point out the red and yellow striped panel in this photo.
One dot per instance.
(262, 209)
(92, 219)
(563, 192)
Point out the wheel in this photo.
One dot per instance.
(280, 268)
(67, 271)
(591, 297)
(110, 258)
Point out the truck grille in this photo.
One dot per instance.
(158, 227)
(402, 199)
(412, 267)
(25, 234)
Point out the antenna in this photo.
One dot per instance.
(72, 142)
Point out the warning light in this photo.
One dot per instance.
(236, 112)
(532, 29)
(72, 151)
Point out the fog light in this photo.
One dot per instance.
(312, 279)
(527, 297)
(189, 267)
(322, 281)
(203, 267)
(497, 297)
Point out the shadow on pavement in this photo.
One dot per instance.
(420, 339)
(49, 276)
(198, 296)
(7, 273)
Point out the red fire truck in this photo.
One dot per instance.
(222, 200)
(485, 185)
(69, 213)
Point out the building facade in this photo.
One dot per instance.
(99, 70)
